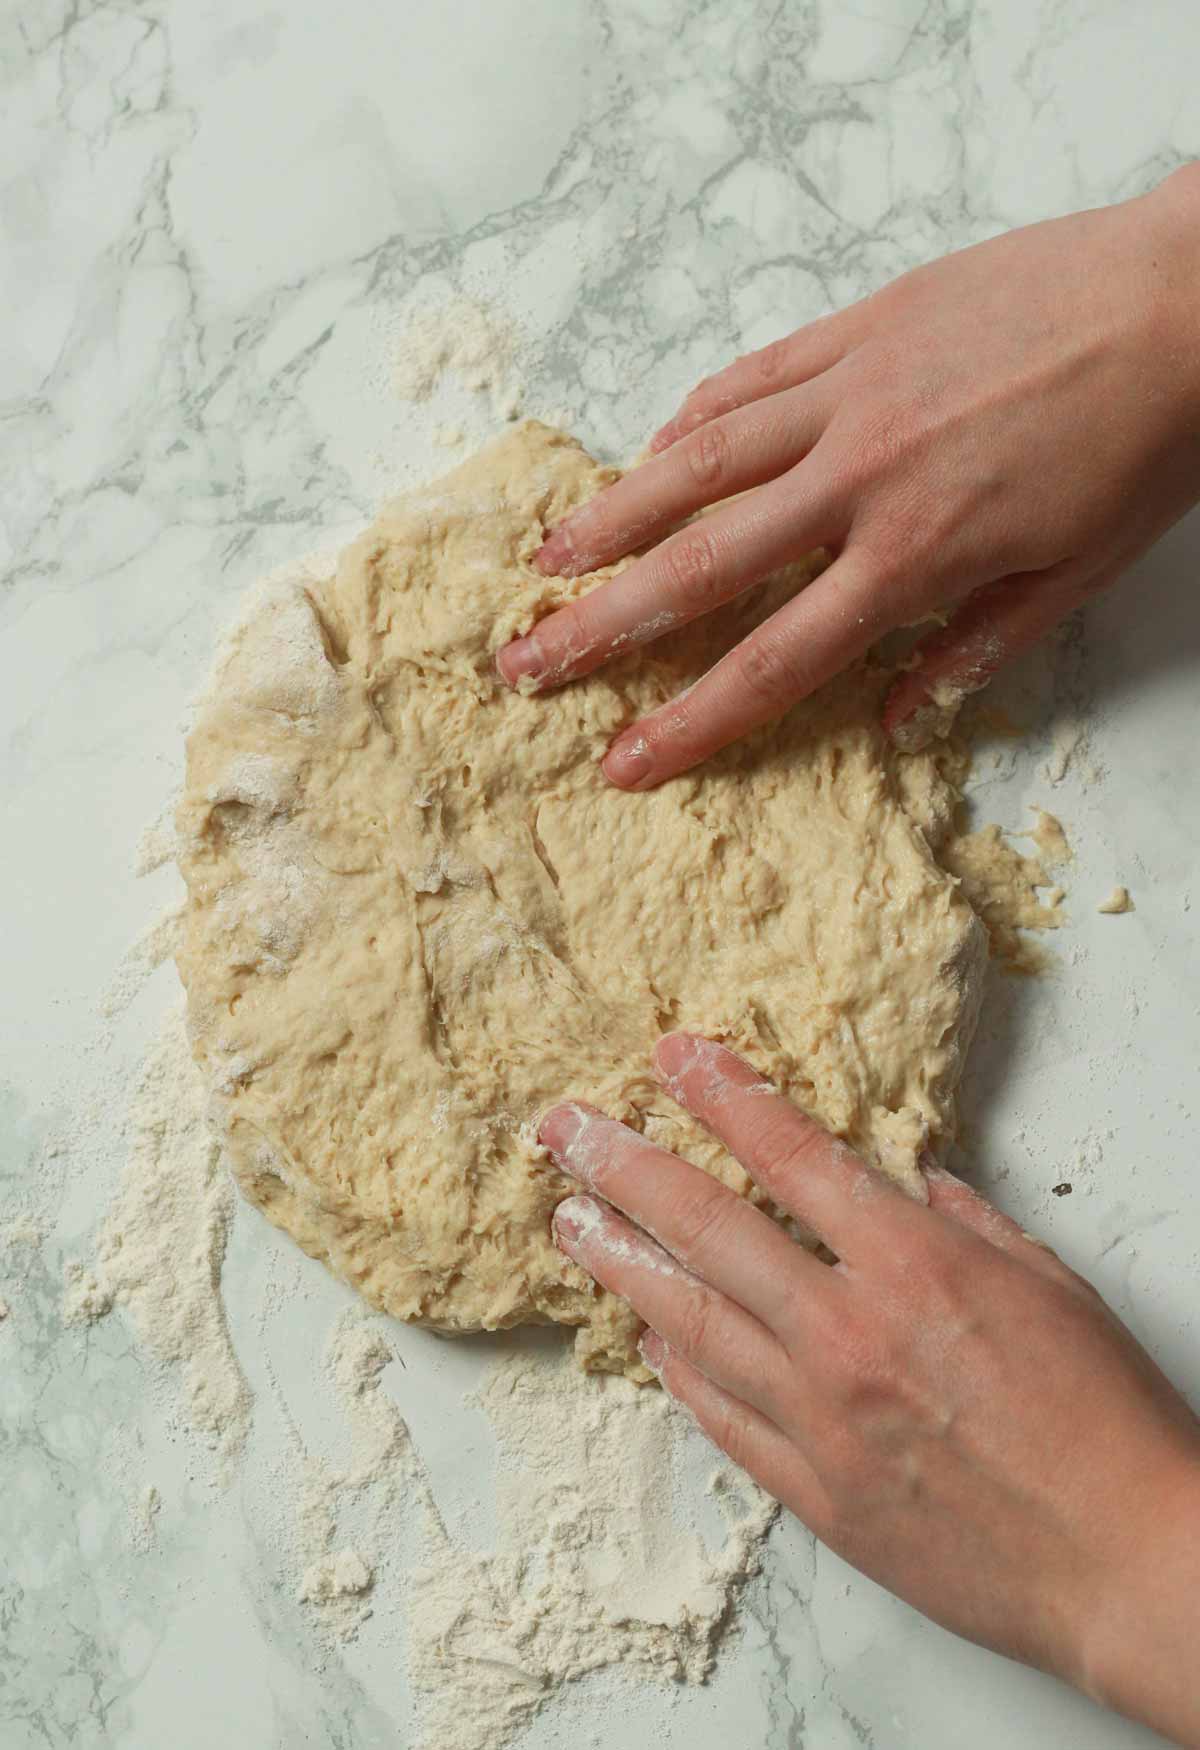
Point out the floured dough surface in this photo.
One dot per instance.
(418, 915)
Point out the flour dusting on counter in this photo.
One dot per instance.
(592, 1567)
(597, 1563)
(160, 1249)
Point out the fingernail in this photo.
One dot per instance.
(555, 552)
(653, 1351)
(671, 1053)
(559, 1127)
(573, 1220)
(520, 660)
(628, 763)
(566, 1228)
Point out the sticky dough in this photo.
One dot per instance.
(417, 914)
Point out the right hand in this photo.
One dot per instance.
(1000, 433)
(949, 1407)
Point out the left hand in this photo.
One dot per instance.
(948, 1406)
(997, 436)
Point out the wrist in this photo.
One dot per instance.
(1173, 209)
(1137, 1643)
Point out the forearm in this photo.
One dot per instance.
(1174, 284)
(1141, 1648)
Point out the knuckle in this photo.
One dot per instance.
(796, 1149)
(691, 568)
(707, 455)
(695, 1320)
(702, 1223)
(698, 402)
(732, 1431)
(877, 444)
(576, 632)
(770, 362)
(770, 671)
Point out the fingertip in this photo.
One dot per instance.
(664, 437)
(520, 661)
(629, 762)
(653, 1351)
(556, 555)
(572, 1220)
(560, 1125)
(674, 1050)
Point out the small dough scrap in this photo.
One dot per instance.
(417, 914)
(1118, 901)
(1050, 837)
(1012, 893)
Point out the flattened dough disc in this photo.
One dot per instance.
(417, 914)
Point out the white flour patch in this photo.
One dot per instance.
(160, 1249)
(596, 1563)
(344, 1575)
(474, 344)
(592, 1569)
(155, 945)
(459, 337)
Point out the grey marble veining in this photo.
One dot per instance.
(213, 223)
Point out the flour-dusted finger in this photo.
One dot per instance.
(687, 575)
(805, 1170)
(800, 647)
(745, 1434)
(719, 1236)
(797, 358)
(713, 1332)
(959, 1202)
(993, 625)
(724, 456)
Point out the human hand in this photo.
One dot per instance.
(949, 1407)
(998, 434)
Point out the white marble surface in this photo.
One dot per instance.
(213, 219)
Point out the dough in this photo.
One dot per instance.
(418, 915)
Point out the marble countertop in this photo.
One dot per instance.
(215, 221)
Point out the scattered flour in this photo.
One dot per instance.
(1071, 751)
(465, 340)
(155, 945)
(85, 1297)
(156, 846)
(143, 1519)
(594, 1566)
(379, 1473)
(591, 1568)
(160, 1249)
(335, 1576)
(23, 1230)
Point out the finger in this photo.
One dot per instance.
(797, 358)
(689, 574)
(705, 1326)
(814, 1176)
(725, 456)
(995, 624)
(720, 1237)
(747, 1436)
(952, 1198)
(801, 646)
